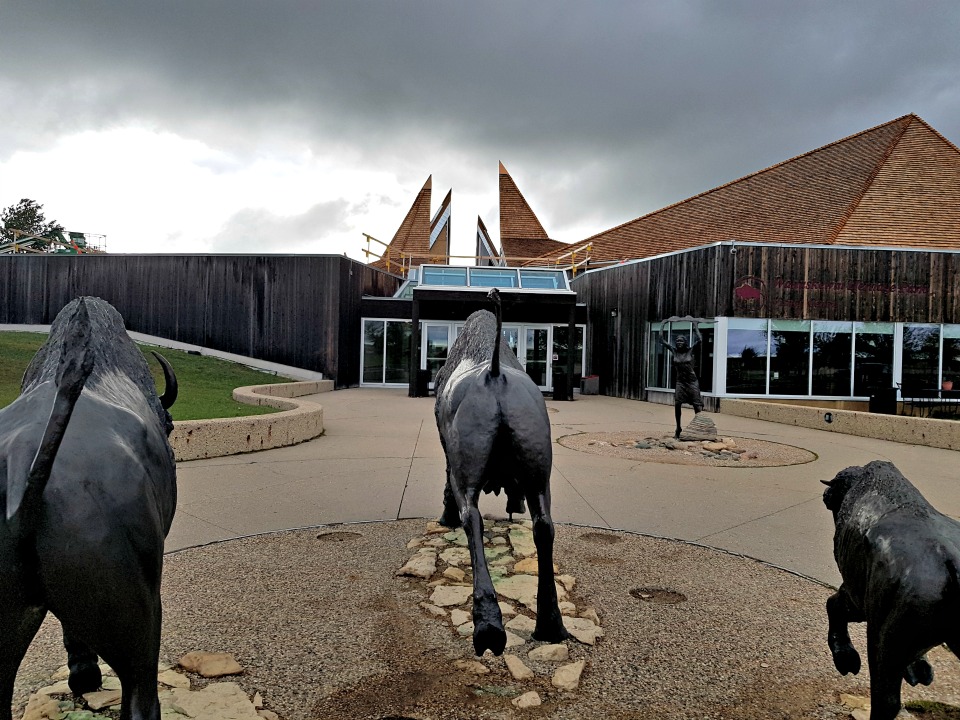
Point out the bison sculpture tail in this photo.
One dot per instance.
(76, 363)
(494, 295)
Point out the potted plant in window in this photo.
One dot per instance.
(946, 385)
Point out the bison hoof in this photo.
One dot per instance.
(847, 660)
(85, 678)
(554, 634)
(918, 672)
(450, 520)
(487, 636)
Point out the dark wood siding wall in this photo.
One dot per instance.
(734, 280)
(302, 311)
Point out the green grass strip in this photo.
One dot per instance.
(206, 383)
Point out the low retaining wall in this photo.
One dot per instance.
(896, 428)
(300, 420)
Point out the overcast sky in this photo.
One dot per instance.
(295, 127)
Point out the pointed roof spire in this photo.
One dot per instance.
(521, 234)
(411, 243)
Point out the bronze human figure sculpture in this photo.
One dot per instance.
(87, 496)
(687, 386)
(900, 563)
(495, 435)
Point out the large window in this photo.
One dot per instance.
(790, 357)
(747, 356)
(832, 358)
(386, 351)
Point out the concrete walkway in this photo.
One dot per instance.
(380, 459)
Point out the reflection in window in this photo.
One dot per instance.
(657, 369)
(373, 351)
(560, 349)
(921, 356)
(397, 363)
(873, 358)
(490, 277)
(438, 342)
(747, 356)
(542, 279)
(454, 276)
(832, 358)
(790, 357)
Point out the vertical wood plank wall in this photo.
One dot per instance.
(302, 311)
(795, 282)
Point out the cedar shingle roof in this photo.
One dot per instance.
(521, 234)
(412, 238)
(895, 184)
(517, 251)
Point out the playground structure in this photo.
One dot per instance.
(401, 263)
(61, 242)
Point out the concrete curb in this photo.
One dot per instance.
(895, 428)
(300, 420)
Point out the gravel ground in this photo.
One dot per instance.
(621, 445)
(326, 630)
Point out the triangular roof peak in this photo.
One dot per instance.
(517, 219)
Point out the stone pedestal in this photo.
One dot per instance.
(700, 428)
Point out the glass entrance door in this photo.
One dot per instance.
(536, 354)
(436, 344)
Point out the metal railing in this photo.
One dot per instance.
(401, 263)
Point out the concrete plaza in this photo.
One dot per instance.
(380, 459)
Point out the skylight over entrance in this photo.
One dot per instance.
(538, 279)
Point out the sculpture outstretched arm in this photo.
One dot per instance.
(696, 334)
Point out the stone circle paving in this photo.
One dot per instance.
(325, 628)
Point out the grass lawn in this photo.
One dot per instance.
(206, 383)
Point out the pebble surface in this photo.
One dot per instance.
(328, 630)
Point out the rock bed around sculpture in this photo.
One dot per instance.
(325, 629)
(660, 447)
(441, 563)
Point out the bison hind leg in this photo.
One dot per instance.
(919, 672)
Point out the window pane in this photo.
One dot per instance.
(832, 358)
(657, 371)
(490, 277)
(373, 351)
(542, 279)
(444, 276)
(747, 356)
(873, 358)
(921, 350)
(398, 352)
(790, 357)
(951, 355)
(703, 357)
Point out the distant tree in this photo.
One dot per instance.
(27, 215)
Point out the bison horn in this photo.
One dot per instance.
(169, 396)
(828, 483)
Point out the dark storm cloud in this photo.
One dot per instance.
(604, 109)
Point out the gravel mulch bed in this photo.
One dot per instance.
(621, 444)
(326, 630)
